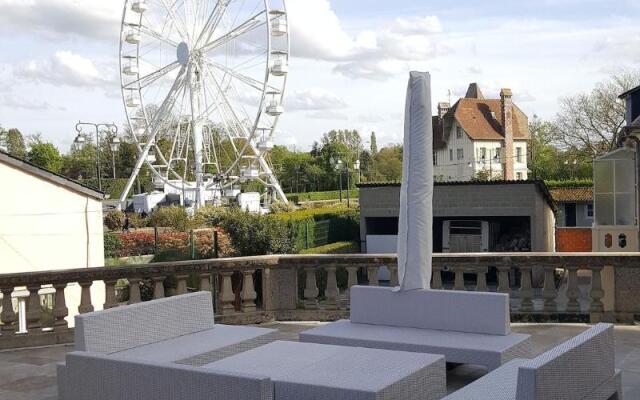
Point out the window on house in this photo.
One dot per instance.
(460, 154)
(483, 153)
(498, 155)
(450, 154)
(459, 133)
(519, 176)
(589, 210)
(519, 154)
(435, 158)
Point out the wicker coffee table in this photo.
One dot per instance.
(305, 371)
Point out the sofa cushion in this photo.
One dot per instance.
(459, 347)
(101, 377)
(471, 312)
(126, 327)
(498, 385)
(196, 344)
(571, 370)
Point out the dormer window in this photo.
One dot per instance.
(459, 133)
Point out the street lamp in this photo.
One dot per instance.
(81, 140)
(340, 166)
(115, 146)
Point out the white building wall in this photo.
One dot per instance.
(44, 226)
(448, 167)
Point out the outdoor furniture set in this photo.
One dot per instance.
(394, 347)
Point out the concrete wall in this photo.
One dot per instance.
(471, 200)
(44, 226)
(582, 218)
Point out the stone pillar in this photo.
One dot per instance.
(332, 291)
(393, 272)
(481, 279)
(596, 293)
(85, 298)
(248, 294)
(227, 297)
(8, 316)
(205, 282)
(573, 305)
(110, 300)
(134, 290)
(34, 309)
(459, 278)
(182, 284)
(436, 279)
(60, 311)
(158, 287)
(526, 291)
(311, 291)
(503, 279)
(549, 292)
(372, 275)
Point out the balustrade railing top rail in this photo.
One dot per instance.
(290, 287)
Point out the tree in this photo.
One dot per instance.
(374, 144)
(592, 122)
(15, 143)
(389, 164)
(45, 155)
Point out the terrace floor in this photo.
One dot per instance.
(31, 374)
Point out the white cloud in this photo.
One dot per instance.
(98, 19)
(65, 68)
(332, 115)
(418, 25)
(314, 99)
(14, 102)
(317, 33)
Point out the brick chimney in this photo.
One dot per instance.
(443, 108)
(507, 129)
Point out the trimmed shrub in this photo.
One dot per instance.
(253, 234)
(171, 217)
(322, 196)
(112, 245)
(574, 183)
(114, 220)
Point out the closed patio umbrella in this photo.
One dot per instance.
(415, 233)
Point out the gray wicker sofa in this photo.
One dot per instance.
(580, 369)
(163, 336)
(465, 327)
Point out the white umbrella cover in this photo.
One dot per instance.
(415, 230)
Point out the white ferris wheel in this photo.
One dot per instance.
(203, 83)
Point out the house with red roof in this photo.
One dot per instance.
(480, 138)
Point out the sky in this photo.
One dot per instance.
(350, 59)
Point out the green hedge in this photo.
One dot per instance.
(115, 187)
(322, 196)
(322, 226)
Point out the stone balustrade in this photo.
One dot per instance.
(542, 286)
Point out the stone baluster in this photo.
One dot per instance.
(526, 290)
(248, 294)
(549, 291)
(182, 284)
(8, 316)
(227, 297)
(436, 280)
(503, 278)
(332, 291)
(60, 311)
(110, 299)
(481, 279)
(393, 272)
(352, 280)
(459, 278)
(205, 282)
(158, 287)
(34, 309)
(372, 275)
(134, 290)
(596, 293)
(311, 291)
(573, 292)
(85, 298)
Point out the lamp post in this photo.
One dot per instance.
(80, 141)
(341, 167)
(115, 146)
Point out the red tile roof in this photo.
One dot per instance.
(571, 195)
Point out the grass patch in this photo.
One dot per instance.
(334, 248)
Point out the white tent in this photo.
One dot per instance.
(415, 230)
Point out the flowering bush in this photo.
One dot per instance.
(114, 220)
(178, 244)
